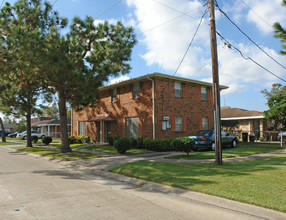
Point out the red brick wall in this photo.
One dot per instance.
(126, 106)
(190, 107)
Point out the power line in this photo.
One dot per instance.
(190, 42)
(256, 13)
(54, 2)
(167, 6)
(229, 45)
(2, 3)
(166, 22)
(107, 9)
(249, 37)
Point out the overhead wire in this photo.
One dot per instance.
(190, 44)
(107, 9)
(2, 3)
(249, 37)
(166, 22)
(256, 13)
(229, 45)
(54, 2)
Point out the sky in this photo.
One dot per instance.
(165, 28)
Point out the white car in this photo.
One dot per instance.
(279, 135)
(23, 135)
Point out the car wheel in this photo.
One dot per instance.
(24, 138)
(42, 136)
(213, 146)
(234, 143)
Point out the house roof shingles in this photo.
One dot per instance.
(237, 113)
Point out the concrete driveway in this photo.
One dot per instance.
(33, 187)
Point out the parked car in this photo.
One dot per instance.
(13, 135)
(6, 133)
(205, 139)
(283, 134)
(23, 135)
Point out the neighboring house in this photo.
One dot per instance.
(251, 123)
(9, 127)
(49, 125)
(153, 106)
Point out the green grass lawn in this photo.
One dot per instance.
(72, 146)
(260, 182)
(244, 149)
(112, 150)
(7, 143)
(57, 154)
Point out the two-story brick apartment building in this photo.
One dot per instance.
(154, 105)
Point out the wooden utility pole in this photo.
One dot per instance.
(216, 90)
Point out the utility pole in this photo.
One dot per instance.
(216, 90)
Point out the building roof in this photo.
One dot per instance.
(50, 122)
(159, 75)
(228, 113)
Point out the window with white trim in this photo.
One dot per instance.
(114, 95)
(178, 89)
(136, 90)
(82, 128)
(179, 123)
(205, 123)
(204, 92)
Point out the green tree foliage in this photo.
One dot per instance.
(280, 32)
(73, 65)
(22, 28)
(77, 64)
(276, 101)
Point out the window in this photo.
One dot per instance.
(114, 95)
(178, 89)
(179, 124)
(136, 89)
(204, 93)
(82, 128)
(132, 127)
(205, 123)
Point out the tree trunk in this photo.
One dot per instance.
(65, 146)
(3, 136)
(29, 136)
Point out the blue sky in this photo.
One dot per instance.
(164, 29)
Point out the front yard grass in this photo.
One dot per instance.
(243, 149)
(57, 154)
(111, 150)
(259, 182)
(7, 143)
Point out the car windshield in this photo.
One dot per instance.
(203, 133)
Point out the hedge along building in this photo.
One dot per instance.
(154, 106)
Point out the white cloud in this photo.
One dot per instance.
(167, 39)
(119, 79)
(264, 13)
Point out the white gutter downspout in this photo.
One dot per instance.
(153, 104)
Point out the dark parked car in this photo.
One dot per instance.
(13, 135)
(6, 132)
(205, 139)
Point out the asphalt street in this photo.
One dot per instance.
(33, 187)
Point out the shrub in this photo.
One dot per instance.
(110, 140)
(79, 139)
(184, 144)
(158, 145)
(72, 139)
(87, 139)
(122, 145)
(140, 141)
(35, 139)
(133, 142)
(47, 140)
